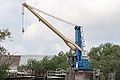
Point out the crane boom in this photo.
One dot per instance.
(70, 43)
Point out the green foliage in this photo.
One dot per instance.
(106, 57)
(4, 34)
(58, 61)
(3, 66)
(36, 67)
(2, 50)
(3, 72)
(45, 63)
(40, 68)
(117, 76)
(22, 68)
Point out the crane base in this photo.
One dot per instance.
(83, 76)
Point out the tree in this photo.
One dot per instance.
(37, 68)
(22, 68)
(3, 66)
(31, 63)
(40, 68)
(3, 72)
(106, 57)
(59, 61)
(3, 35)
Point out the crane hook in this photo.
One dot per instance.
(23, 30)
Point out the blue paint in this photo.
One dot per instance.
(78, 41)
(79, 63)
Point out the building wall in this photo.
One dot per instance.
(12, 60)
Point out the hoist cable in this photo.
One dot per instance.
(53, 16)
(23, 19)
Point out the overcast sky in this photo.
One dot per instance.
(100, 20)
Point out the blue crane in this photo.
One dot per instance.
(78, 61)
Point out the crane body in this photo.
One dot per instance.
(78, 63)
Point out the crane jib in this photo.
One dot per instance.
(70, 43)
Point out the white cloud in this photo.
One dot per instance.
(21, 50)
(16, 49)
(100, 19)
(83, 12)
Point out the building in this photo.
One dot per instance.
(12, 60)
(16, 60)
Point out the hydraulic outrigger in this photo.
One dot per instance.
(78, 62)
